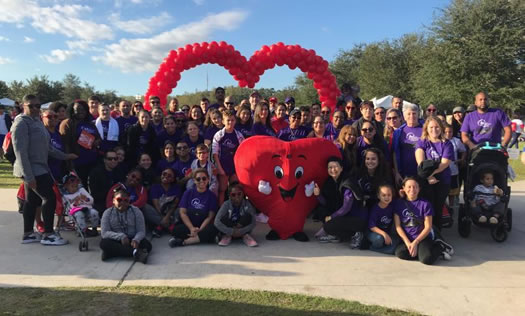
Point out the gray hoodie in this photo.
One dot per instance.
(227, 209)
(32, 147)
(117, 225)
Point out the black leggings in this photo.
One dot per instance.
(207, 235)
(344, 227)
(114, 248)
(436, 195)
(427, 251)
(43, 196)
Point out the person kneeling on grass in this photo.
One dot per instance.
(236, 218)
(197, 211)
(413, 219)
(124, 230)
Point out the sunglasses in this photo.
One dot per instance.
(119, 199)
(239, 194)
(325, 112)
(199, 179)
(154, 102)
(431, 110)
(392, 118)
(185, 110)
(51, 116)
(112, 158)
(350, 107)
(167, 174)
(367, 130)
(181, 147)
(228, 103)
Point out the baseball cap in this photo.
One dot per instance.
(458, 109)
(289, 99)
(273, 99)
(295, 111)
(471, 108)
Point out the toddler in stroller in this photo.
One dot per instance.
(487, 200)
(79, 204)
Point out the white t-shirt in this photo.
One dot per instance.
(519, 125)
(489, 199)
(3, 127)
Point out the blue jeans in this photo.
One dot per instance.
(377, 243)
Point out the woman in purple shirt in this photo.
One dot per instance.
(319, 129)
(404, 142)
(212, 124)
(244, 121)
(413, 220)
(434, 146)
(261, 121)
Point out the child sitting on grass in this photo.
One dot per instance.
(81, 204)
(487, 200)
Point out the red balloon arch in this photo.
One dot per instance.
(246, 72)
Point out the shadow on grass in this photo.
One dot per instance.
(175, 301)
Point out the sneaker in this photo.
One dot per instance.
(225, 240)
(249, 241)
(328, 238)
(40, 227)
(175, 242)
(155, 233)
(493, 220)
(32, 238)
(356, 240)
(104, 256)
(482, 219)
(445, 246)
(446, 256)
(261, 218)
(53, 240)
(140, 255)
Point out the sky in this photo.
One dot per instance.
(119, 44)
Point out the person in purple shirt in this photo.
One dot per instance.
(225, 144)
(168, 157)
(319, 129)
(157, 118)
(182, 166)
(343, 218)
(382, 236)
(413, 220)
(212, 124)
(50, 120)
(337, 123)
(198, 207)
(261, 121)
(485, 124)
(295, 130)
(244, 121)
(404, 143)
(165, 198)
(125, 120)
(370, 139)
(169, 133)
(192, 137)
(434, 146)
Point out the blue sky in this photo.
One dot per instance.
(119, 44)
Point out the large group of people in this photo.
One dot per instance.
(145, 169)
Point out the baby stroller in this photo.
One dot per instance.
(67, 217)
(486, 157)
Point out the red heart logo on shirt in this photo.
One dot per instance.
(287, 169)
(245, 72)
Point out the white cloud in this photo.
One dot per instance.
(57, 19)
(58, 56)
(141, 26)
(145, 54)
(5, 60)
(28, 39)
(4, 39)
(198, 2)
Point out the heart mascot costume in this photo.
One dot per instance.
(278, 178)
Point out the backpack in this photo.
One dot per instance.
(7, 147)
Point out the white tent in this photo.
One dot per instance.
(45, 106)
(386, 102)
(7, 101)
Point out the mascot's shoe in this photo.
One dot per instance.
(272, 235)
(301, 236)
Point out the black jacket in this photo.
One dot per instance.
(100, 181)
(133, 144)
(8, 121)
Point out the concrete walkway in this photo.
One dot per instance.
(484, 277)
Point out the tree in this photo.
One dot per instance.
(4, 89)
(72, 88)
(46, 90)
(17, 90)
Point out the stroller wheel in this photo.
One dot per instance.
(464, 224)
(80, 246)
(499, 233)
(86, 248)
(509, 219)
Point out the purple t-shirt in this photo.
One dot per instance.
(181, 167)
(332, 130)
(210, 132)
(260, 129)
(245, 129)
(125, 123)
(381, 218)
(163, 136)
(193, 145)
(408, 141)
(163, 164)
(485, 127)
(86, 156)
(436, 151)
(289, 134)
(412, 215)
(55, 165)
(198, 205)
(157, 127)
(164, 196)
(362, 146)
(228, 145)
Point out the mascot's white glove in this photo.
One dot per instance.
(309, 189)
(264, 187)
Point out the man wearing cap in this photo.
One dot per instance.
(458, 114)
(220, 93)
(290, 104)
(272, 104)
(255, 98)
(485, 124)
(295, 130)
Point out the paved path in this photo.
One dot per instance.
(484, 277)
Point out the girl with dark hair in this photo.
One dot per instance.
(212, 124)
(346, 143)
(369, 139)
(168, 157)
(170, 132)
(196, 115)
(244, 121)
(145, 166)
(193, 137)
(80, 136)
(141, 139)
(165, 197)
(261, 121)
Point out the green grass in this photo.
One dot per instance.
(6, 176)
(175, 300)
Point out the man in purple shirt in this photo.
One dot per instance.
(485, 124)
(295, 130)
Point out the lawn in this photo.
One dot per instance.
(175, 300)
(6, 176)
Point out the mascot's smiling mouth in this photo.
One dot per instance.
(288, 195)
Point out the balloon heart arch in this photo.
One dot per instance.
(245, 72)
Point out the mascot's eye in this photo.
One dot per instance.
(299, 172)
(278, 171)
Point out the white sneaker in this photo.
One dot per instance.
(445, 246)
(54, 240)
(356, 240)
(328, 238)
(32, 238)
(445, 256)
(482, 219)
(493, 220)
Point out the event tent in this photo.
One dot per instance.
(7, 101)
(386, 102)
